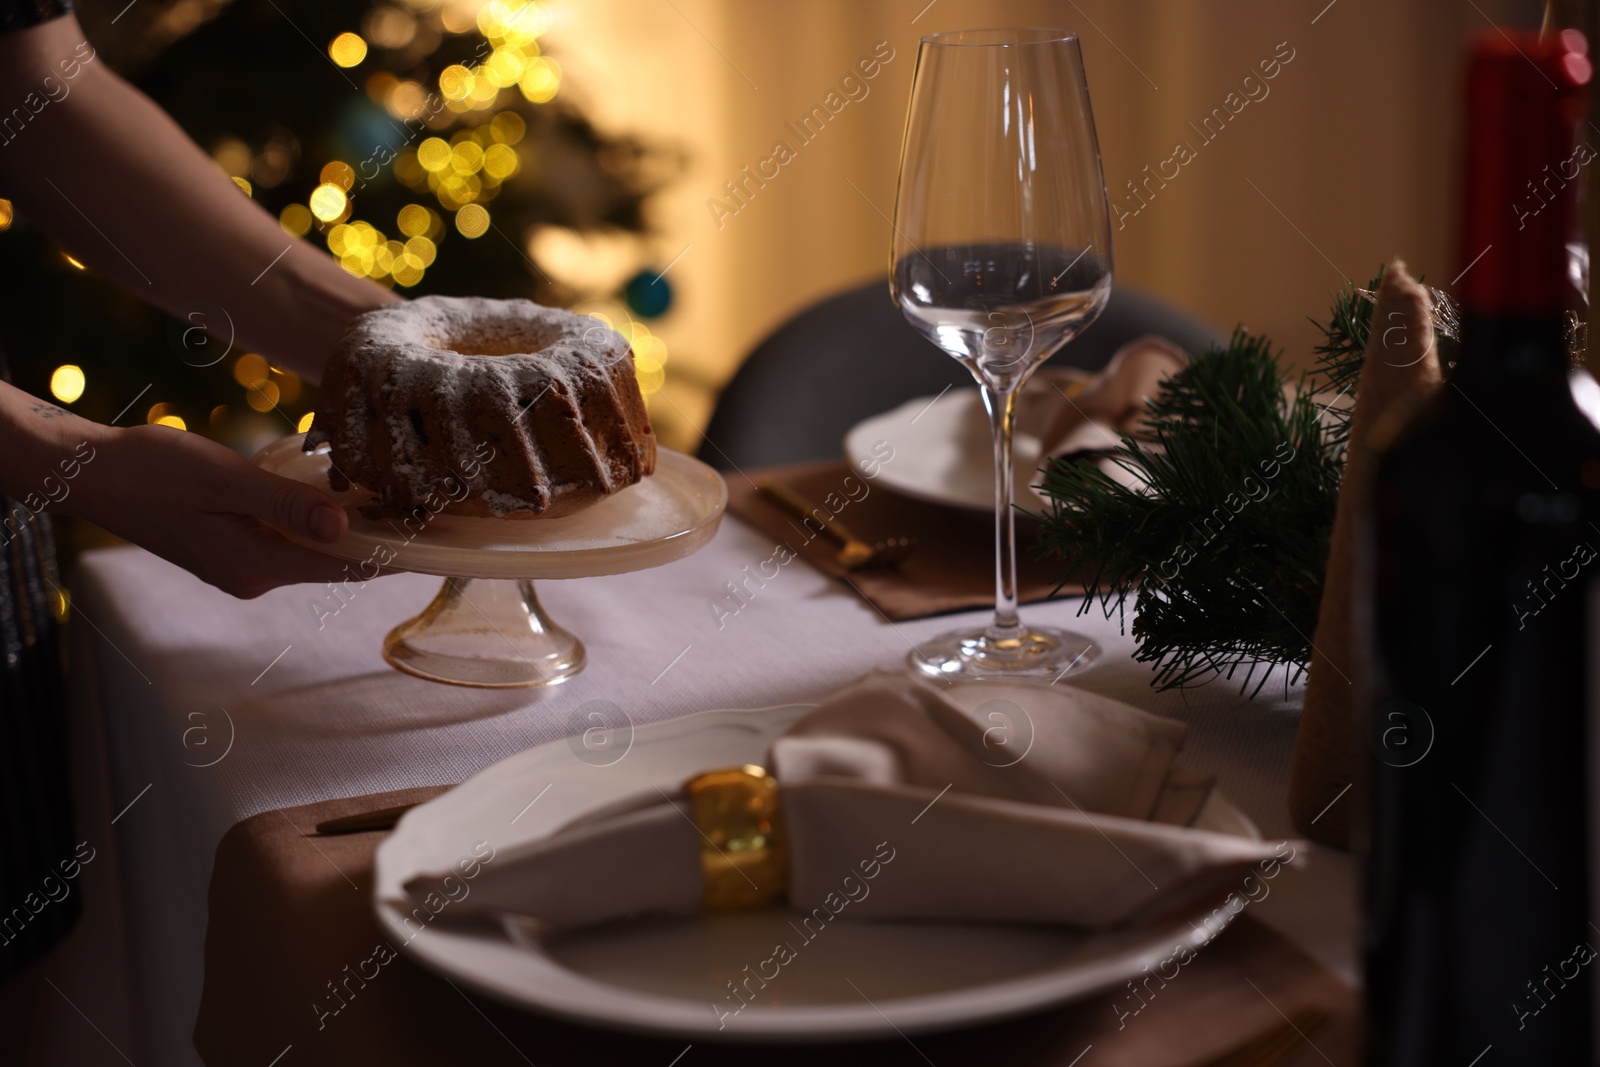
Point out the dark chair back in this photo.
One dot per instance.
(854, 355)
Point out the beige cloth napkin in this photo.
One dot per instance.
(890, 781)
(1073, 411)
(952, 568)
(290, 927)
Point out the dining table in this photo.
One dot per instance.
(191, 710)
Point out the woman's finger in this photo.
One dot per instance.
(289, 505)
(273, 560)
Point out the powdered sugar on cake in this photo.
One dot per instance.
(418, 392)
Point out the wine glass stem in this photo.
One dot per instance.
(1002, 408)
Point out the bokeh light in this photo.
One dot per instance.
(389, 27)
(233, 156)
(434, 154)
(414, 220)
(406, 99)
(457, 18)
(338, 173)
(500, 161)
(249, 368)
(243, 184)
(67, 382)
(507, 127)
(422, 251)
(305, 422)
(329, 203)
(472, 220)
(541, 80)
(288, 383)
(7, 213)
(347, 49)
(164, 414)
(466, 157)
(73, 261)
(455, 82)
(262, 395)
(295, 220)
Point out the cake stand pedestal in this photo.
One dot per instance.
(484, 632)
(486, 626)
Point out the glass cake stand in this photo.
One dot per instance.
(486, 627)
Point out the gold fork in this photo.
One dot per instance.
(856, 553)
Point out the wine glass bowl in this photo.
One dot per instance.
(1001, 254)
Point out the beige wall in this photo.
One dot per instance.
(1348, 160)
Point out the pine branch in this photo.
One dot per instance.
(1340, 354)
(1223, 544)
(1224, 547)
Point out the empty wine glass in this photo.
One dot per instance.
(1001, 255)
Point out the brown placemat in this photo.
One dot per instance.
(291, 936)
(952, 568)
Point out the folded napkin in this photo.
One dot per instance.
(1074, 413)
(1078, 819)
(952, 568)
(294, 956)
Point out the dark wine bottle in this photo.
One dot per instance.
(1483, 539)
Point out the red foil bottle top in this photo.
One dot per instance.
(1526, 163)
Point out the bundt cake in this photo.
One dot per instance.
(504, 407)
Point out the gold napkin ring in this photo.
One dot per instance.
(743, 853)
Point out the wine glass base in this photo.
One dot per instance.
(1032, 652)
(485, 633)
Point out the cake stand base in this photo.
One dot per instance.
(488, 633)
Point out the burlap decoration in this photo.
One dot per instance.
(1399, 372)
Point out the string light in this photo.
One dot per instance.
(541, 80)
(473, 220)
(455, 82)
(295, 220)
(422, 251)
(288, 383)
(248, 368)
(165, 414)
(389, 27)
(347, 49)
(329, 203)
(413, 220)
(500, 161)
(262, 395)
(507, 127)
(75, 263)
(67, 382)
(338, 173)
(434, 154)
(406, 99)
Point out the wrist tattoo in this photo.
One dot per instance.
(47, 411)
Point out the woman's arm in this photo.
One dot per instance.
(111, 176)
(185, 498)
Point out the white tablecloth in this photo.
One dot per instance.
(162, 665)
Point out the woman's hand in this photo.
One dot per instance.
(201, 506)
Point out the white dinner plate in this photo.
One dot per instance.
(854, 981)
(944, 452)
(671, 514)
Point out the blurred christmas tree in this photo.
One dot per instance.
(427, 145)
